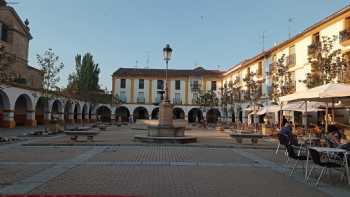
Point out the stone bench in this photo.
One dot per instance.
(240, 136)
(75, 134)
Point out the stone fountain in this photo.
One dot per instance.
(165, 130)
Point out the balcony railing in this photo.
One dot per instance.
(140, 100)
(312, 48)
(123, 98)
(157, 100)
(291, 60)
(344, 35)
(177, 101)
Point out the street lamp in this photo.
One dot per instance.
(167, 51)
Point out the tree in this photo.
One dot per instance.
(327, 63)
(86, 76)
(235, 96)
(6, 60)
(50, 66)
(225, 99)
(282, 83)
(253, 90)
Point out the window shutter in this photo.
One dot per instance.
(4, 33)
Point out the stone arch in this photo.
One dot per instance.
(178, 113)
(240, 114)
(85, 112)
(233, 114)
(4, 105)
(104, 113)
(41, 109)
(56, 110)
(140, 113)
(155, 114)
(213, 115)
(77, 111)
(23, 110)
(122, 112)
(68, 112)
(195, 115)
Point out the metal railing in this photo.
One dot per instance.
(140, 100)
(177, 101)
(312, 48)
(344, 35)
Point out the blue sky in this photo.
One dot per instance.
(211, 33)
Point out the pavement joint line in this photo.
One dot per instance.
(156, 145)
(23, 143)
(30, 183)
(283, 169)
(69, 164)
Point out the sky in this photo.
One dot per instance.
(129, 33)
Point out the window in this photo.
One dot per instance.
(177, 100)
(141, 83)
(140, 97)
(347, 23)
(316, 38)
(213, 85)
(160, 84)
(260, 70)
(123, 83)
(291, 59)
(274, 58)
(3, 32)
(177, 84)
(123, 97)
(195, 86)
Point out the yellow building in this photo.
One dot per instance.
(296, 50)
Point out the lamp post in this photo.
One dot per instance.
(167, 52)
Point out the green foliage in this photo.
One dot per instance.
(282, 83)
(207, 99)
(327, 63)
(117, 100)
(86, 75)
(253, 90)
(50, 66)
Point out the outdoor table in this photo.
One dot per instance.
(329, 151)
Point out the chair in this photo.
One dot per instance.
(283, 140)
(295, 156)
(316, 158)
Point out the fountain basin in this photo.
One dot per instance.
(174, 133)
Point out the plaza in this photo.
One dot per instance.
(276, 123)
(115, 164)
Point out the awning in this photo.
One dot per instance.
(269, 109)
(312, 106)
(324, 93)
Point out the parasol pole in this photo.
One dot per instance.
(333, 117)
(326, 120)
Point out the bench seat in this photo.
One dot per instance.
(75, 134)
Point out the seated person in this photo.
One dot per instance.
(333, 136)
(287, 130)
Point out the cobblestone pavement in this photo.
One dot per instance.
(213, 168)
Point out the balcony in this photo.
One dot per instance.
(312, 48)
(140, 100)
(344, 37)
(291, 60)
(158, 99)
(123, 98)
(177, 101)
